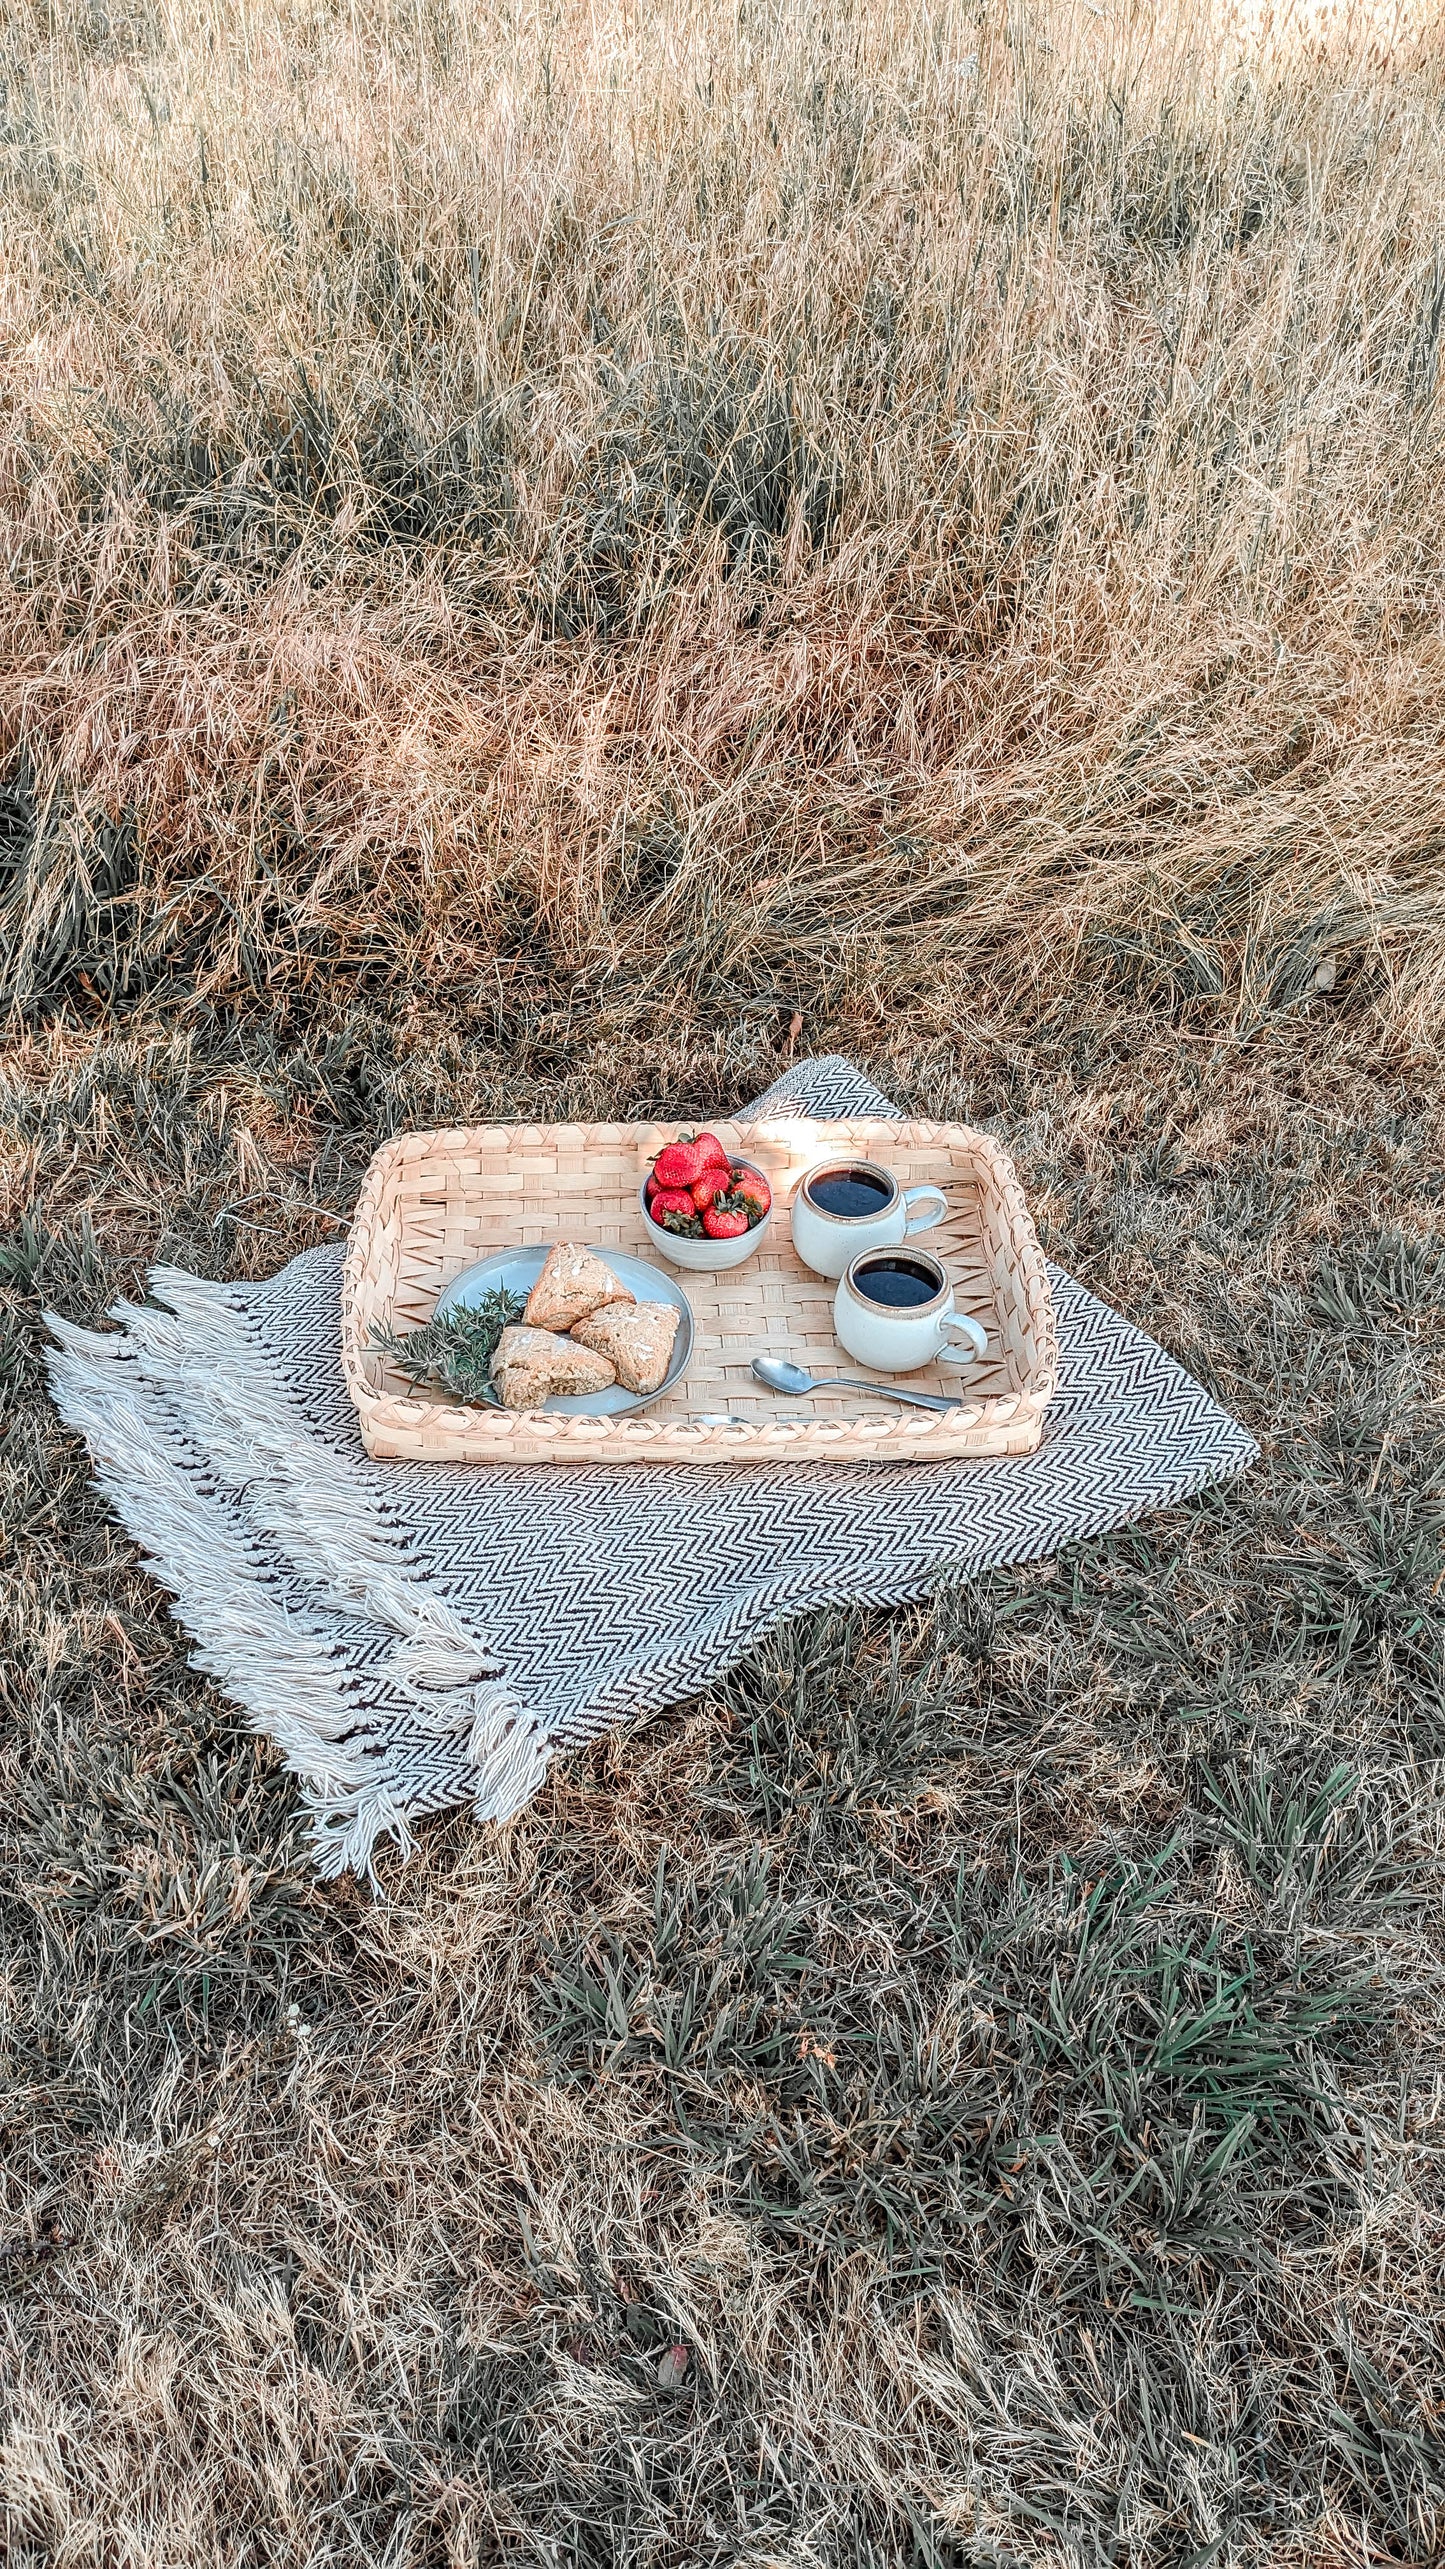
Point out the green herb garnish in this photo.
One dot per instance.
(454, 1354)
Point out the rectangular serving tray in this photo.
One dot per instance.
(434, 1203)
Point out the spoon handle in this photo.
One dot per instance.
(911, 1400)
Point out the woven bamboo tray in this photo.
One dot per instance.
(434, 1203)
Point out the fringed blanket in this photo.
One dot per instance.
(417, 1635)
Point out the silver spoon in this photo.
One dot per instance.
(780, 1376)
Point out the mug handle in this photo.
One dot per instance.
(929, 1219)
(974, 1339)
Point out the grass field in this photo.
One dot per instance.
(552, 556)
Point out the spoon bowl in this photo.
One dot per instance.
(780, 1376)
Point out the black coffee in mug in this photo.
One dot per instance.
(852, 1194)
(898, 1283)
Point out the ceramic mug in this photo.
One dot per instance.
(882, 1214)
(894, 1310)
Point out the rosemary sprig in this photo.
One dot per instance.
(454, 1354)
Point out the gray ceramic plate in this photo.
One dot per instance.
(519, 1269)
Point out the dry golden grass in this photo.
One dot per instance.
(537, 545)
(756, 499)
(356, 2233)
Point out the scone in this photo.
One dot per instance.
(635, 1337)
(530, 1364)
(572, 1284)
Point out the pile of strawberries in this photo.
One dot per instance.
(697, 1191)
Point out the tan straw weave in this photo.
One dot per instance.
(434, 1203)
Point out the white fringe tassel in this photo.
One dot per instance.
(262, 1464)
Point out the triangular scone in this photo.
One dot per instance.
(531, 1364)
(635, 1337)
(573, 1283)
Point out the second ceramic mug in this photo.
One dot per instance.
(894, 1310)
(868, 1210)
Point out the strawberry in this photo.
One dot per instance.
(754, 1190)
(671, 1199)
(650, 1190)
(682, 1163)
(722, 1224)
(712, 1183)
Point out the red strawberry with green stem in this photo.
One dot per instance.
(672, 1199)
(720, 1222)
(682, 1163)
(752, 1189)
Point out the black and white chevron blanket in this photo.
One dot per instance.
(416, 1635)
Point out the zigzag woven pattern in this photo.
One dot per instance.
(415, 1636)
